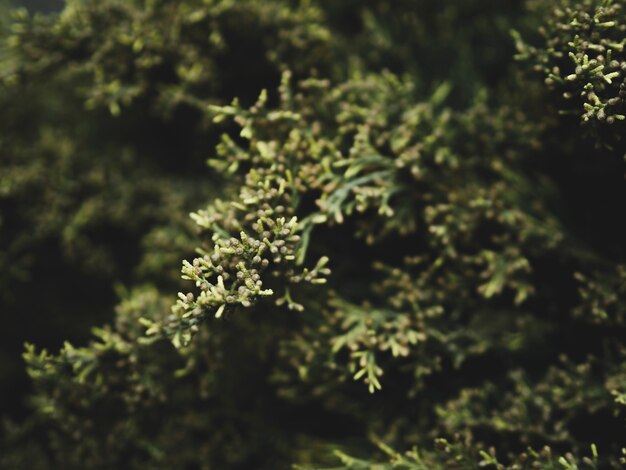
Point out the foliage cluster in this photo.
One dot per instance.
(582, 58)
(391, 250)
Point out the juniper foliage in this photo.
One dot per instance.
(383, 260)
(582, 57)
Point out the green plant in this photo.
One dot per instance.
(380, 261)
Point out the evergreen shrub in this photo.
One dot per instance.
(402, 250)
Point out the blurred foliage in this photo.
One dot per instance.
(399, 242)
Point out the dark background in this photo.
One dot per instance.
(39, 5)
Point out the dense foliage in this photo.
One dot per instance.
(402, 239)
